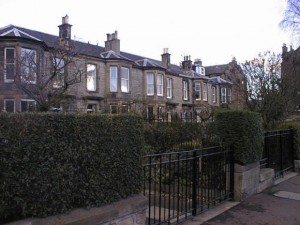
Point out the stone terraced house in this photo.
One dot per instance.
(115, 81)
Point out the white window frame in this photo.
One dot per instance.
(160, 84)
(27, 100)
(12, 100)
(204, 89)
(169, 87)
(60, 72)
(91, 77)
(124, 79)
(198, 90)
(213, 94)
(185, 90)
(28, 65)
(223, 95)
(150, 83)
(113, 79)
(9, 63)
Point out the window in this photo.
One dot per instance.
(28, 65)
(229, 95)
(59, 71)
(125, 108)
(223, 95)
(160, 84)
(197, 90)
(204, 91)
(169, 88)
(185, 90)
(113, 109)
(91, 77)
(9, 64)
(9, 105)
(150, 84)
(113, 79)
(28, 105)
(213, 95)
(150, 113)
(90, 108)
(124, 79)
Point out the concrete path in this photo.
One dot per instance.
(277, 205)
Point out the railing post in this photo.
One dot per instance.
(195, 182)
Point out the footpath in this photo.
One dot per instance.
(277, 205)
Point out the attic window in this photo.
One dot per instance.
(200, 70)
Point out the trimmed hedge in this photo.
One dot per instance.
(242, 131)
(53, 163)
(295, 126)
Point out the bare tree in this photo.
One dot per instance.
(45, 76)
(291, 19)
(267, 93)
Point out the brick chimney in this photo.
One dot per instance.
(65, 28)
(165, 58)
(187, 63)
(112, 43)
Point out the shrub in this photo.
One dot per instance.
(53, 163)
(242, 131)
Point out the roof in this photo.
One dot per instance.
(217, 69)
(99, 52)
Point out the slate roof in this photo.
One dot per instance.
(99, 52)
(217, 69)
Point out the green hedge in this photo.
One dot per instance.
(53, 163)
(242, 131)
(167, 137)
(295, 126)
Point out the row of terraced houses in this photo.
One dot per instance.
(117, 81)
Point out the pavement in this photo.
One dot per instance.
(277, 205)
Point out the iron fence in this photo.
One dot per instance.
(278, 151)
(185, 183)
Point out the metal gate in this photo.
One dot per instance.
(185, 183)
(278, 151)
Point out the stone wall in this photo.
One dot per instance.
(130, 211)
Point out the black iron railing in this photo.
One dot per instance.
(181, 184)
(278, 151)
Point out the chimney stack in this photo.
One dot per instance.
(187, 63)
(284, 49)
(112, 43)
(65, 28)
(165, 58)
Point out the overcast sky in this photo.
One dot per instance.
(212, 30)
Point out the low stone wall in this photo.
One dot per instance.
(250, 179)
(130, 211)
(246, 180)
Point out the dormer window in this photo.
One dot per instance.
(200, 70)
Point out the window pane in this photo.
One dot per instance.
(124, 79)
(58, 64)
(91, 77)
(9, 63)
(204, 91)
(28, 65)
(160, 84)
(150, 84)
(169, 88)
(113, 79)
(198, 90)
(28, 106)
(9, 105)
